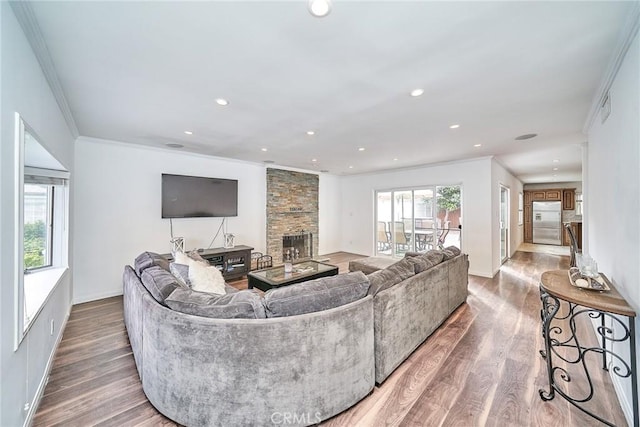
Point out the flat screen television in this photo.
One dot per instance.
(196, 196)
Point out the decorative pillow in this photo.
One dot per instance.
(181, 271)
(182, 258)
(149, 259)
(426, 261)
(159, 282)
(206, 279)
(245, 304)
(456, 250)
(381, 280)
(316, 295)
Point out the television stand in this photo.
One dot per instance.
(233, 263)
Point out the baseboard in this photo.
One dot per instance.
(622, 398)
(481, 274)
(87, 298)
(45, 378)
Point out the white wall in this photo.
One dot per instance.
(118, 209)
(25, 90)
(329, 206)
(500, 176)
(475, 177)
(612, 200)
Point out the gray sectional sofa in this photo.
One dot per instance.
(426, 289)
(301, 353)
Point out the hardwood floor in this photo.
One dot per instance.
(481, 367)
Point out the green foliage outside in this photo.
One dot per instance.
(448, 199)
(35, 235)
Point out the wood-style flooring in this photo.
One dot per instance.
(481, 367)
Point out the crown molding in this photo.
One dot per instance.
(628, 33)
(27, 20)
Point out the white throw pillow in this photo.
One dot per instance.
(206, 279)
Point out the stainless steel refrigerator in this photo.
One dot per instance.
(547, 223)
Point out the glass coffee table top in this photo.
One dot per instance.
(277, 275)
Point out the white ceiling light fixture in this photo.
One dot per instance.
(556, 161)
(222, 101)
(454, 126)
(314, 160)
(319, 8)
(188, 132)
(263, 149)
(477, 145)
(417, 92)
(361, 149)
(310, 133)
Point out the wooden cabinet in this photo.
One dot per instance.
(538, 195)
(528, 226)
(527, 198)
(576, 227)
(568, 199)
(553, 195)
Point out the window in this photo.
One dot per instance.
(42, 233)
(417, 219)
(37, 235)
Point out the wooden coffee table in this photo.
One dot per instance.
(276, 277)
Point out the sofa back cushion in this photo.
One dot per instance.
(316, 295)
(159, 282)
(392, 275)
(425, 261)
(450, 252)
(149, 259)
(245, 304)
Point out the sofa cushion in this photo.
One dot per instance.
(370, 264)
(159, 282)
(316, 295)
(450, 252)
(181, 272)
(404, 268)
(427, 260)
(381, 280)
(245, 304)
(206, 278)
(149, 259)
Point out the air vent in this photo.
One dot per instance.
(269, 162)
(174, 145)
(605, 108)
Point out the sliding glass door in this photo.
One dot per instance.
(417, 219)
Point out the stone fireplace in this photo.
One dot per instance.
(297, 247)
(292, 213)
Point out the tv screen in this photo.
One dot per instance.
(195, 196)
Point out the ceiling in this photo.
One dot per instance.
(145, 72)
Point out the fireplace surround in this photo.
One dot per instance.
(292, 210)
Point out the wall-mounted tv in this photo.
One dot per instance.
(195, 196)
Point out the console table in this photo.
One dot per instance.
(565, 347)
(233, 262)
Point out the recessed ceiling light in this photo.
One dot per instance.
(310, 132)
(417, 92)
(555, 174)
(556, 161)
(526, 136)
(174, 145)
(395, 160)
(555, 169)
(314, 160)
(361, 149)
(263, 149)
(188, 132)
(222, 101)
(350, 167)
(477, 145)
(319, 8)
(454, 126)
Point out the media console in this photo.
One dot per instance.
(232, 262)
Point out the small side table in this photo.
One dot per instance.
(556, 288)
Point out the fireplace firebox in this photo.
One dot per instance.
(297, 246)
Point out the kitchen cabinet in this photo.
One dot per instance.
(569, 199)
(553, 195)
(576, 227)
(538, 195)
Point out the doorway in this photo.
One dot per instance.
(504, 223)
